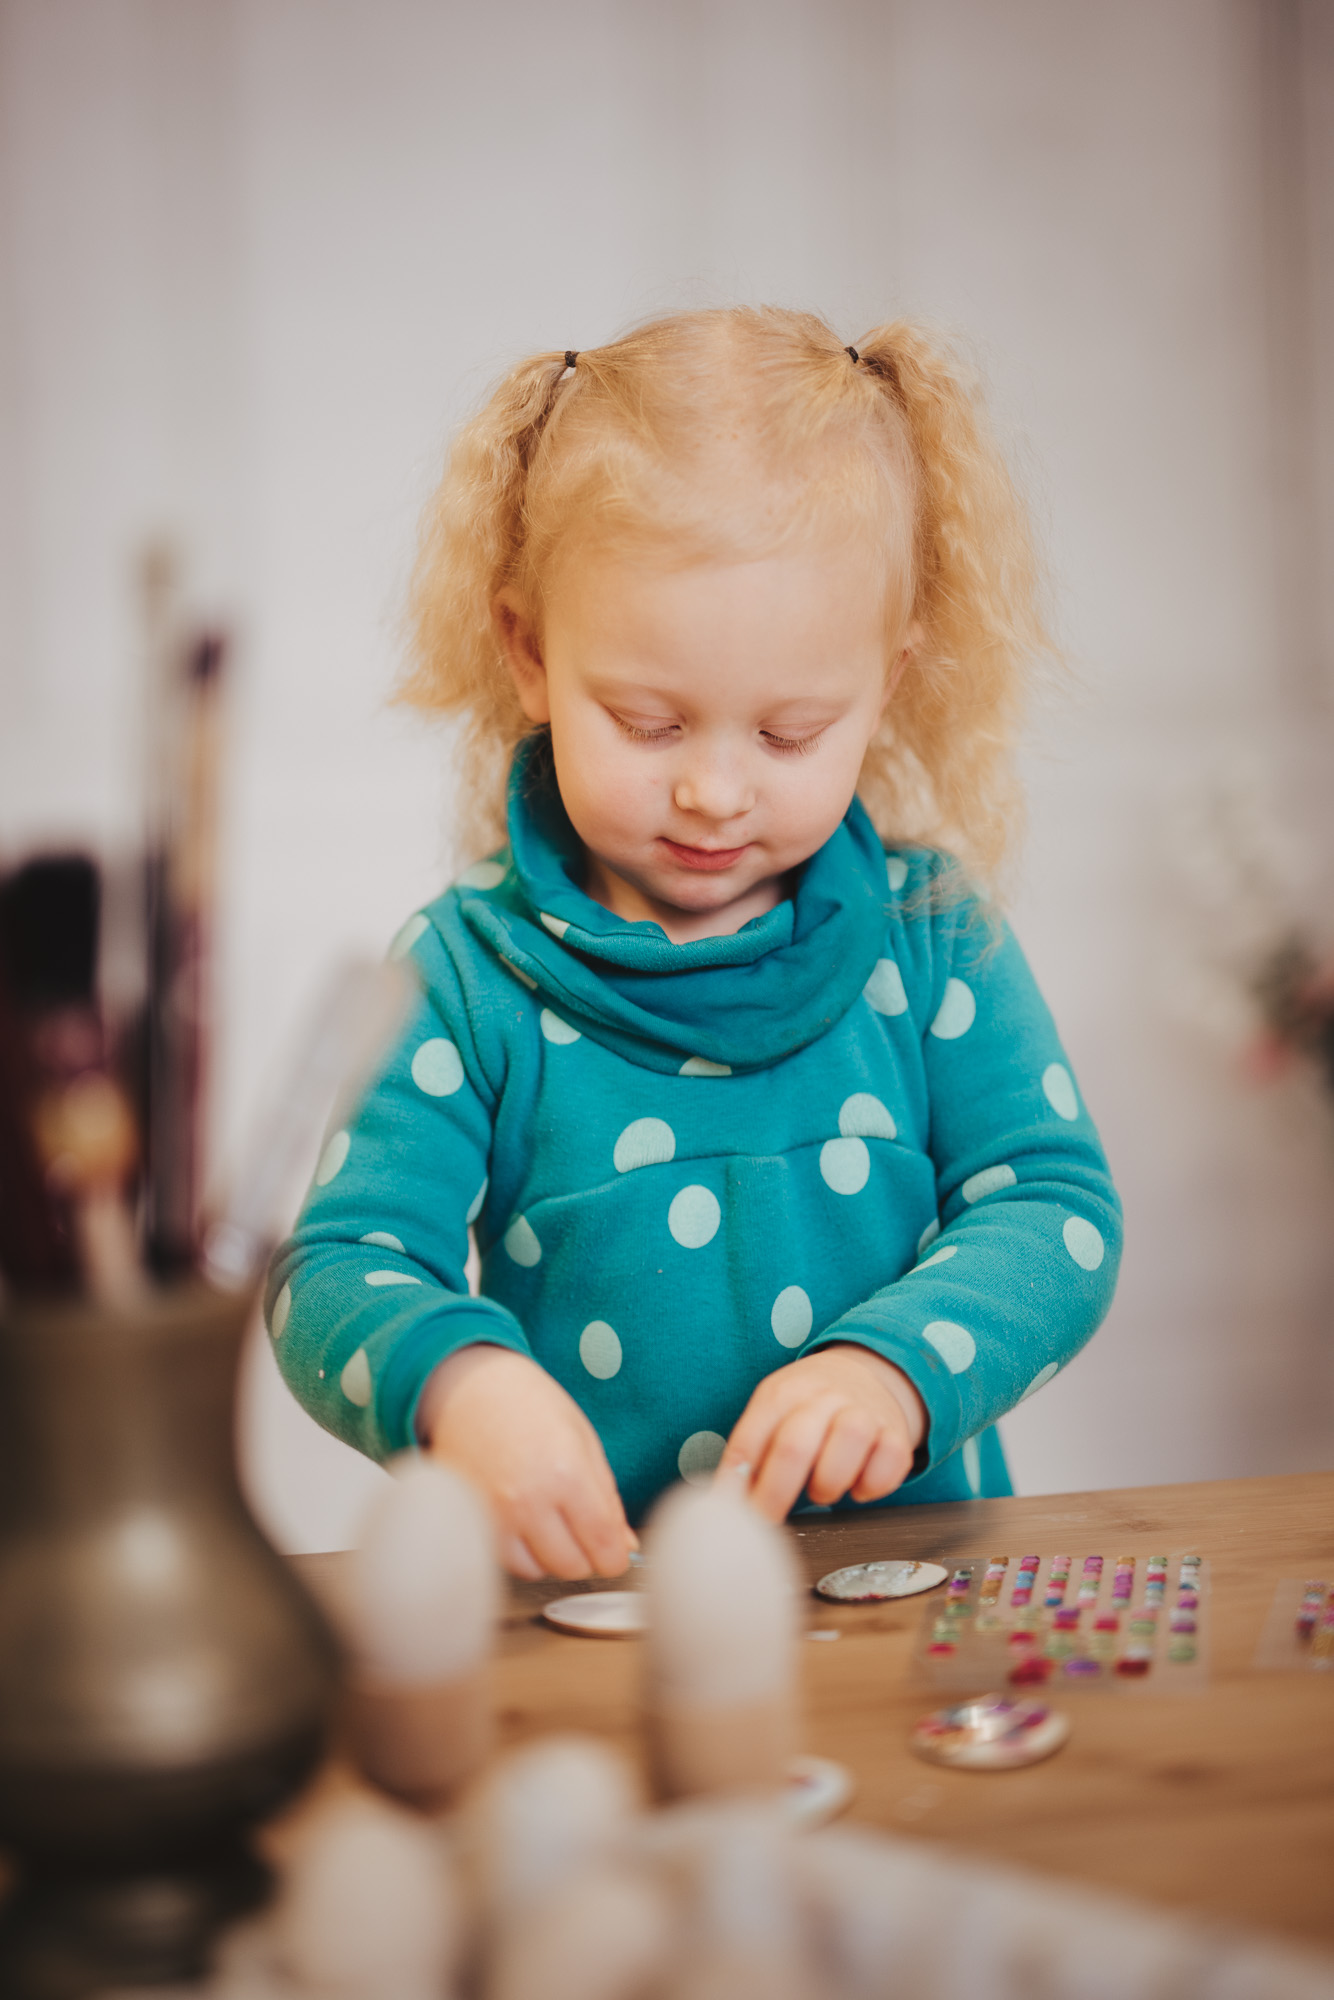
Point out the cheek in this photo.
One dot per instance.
(607, 785)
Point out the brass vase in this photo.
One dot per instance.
(165, 1681)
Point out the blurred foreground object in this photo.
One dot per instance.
(420, 1620)
(164, 1679)
(553, 1884)
(720, 1699)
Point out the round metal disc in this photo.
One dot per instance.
(990, 1733)
(599, 1614)
(873, 1583)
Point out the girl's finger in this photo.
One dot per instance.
(601, 1531)
(519, 1559)
(754, 1428)
(886, 1468)
(850, 1442)
(555, 1547)
(796, 1444)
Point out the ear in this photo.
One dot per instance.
(912, 642)
(522, 648)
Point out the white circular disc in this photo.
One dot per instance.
(873, 1583)
(599, 1614)
(817, 1790)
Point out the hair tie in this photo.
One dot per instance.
(571, 356)
(853, 352)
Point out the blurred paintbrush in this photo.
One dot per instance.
(185, 734)
(72, 1144)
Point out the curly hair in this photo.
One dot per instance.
(729, 432)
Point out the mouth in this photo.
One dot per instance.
(709, 860)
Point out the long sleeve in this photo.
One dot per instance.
(1020, 1269)
(369, 1294)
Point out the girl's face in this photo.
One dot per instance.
(708, 722)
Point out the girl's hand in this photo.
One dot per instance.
(839, 1421)
(506, 1425)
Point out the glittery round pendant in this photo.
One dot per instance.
(816, 1791)
(875, 1582)
(599, 1614)
(990, 1733)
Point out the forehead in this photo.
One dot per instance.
(804, 620)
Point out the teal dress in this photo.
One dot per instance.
(687, 1165)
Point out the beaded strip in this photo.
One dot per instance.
(1322, 1645)
(1056, 1582)
(1022, 1594)
(1182, 1624)
(1308, 1616)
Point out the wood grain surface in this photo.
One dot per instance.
(1218, 1802)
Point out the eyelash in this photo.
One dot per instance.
(796, 746)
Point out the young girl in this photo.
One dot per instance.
(772, 1153)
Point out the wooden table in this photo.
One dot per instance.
(1219, 1802)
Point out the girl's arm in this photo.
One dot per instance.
(370, 1294)
(373, 1325)
(1023, 1268)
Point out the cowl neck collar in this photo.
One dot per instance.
(718, 1004)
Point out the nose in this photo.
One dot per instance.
(713, 786)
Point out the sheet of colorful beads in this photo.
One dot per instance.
(1299, 1633)
(1117, 1621)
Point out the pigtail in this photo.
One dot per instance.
(940, 769)
(471, 544)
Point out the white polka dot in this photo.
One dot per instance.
(391, 1278)
(521, 1243)
(884, 989)
(697, 1460)
(694, 1216)
(1084, 1242)
(482, 875)
(648, 1142)
(958, 1010)
(865, 1117)
(1058, 1087)
(556, 1030)
(475, 1206)
(896, 868)
(954, 1344)
(522, 977)
(928, 1235)
(383, 1238)
(972, 1465)
(437, 1067)
(845, 1165)
(1040, 1380)
(701, 1066)
(282, 1306)
(792, 1317)
(355, 1380)
(600, 1349)
(556, 925)
(414, 928)
(332, 1158)
(990, 1181)
(942, 1256)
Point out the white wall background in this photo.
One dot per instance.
(260, 255)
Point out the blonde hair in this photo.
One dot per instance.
(768, 404)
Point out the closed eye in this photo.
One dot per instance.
(661, 734)
(792, 745)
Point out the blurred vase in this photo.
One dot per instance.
(165, 1681)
